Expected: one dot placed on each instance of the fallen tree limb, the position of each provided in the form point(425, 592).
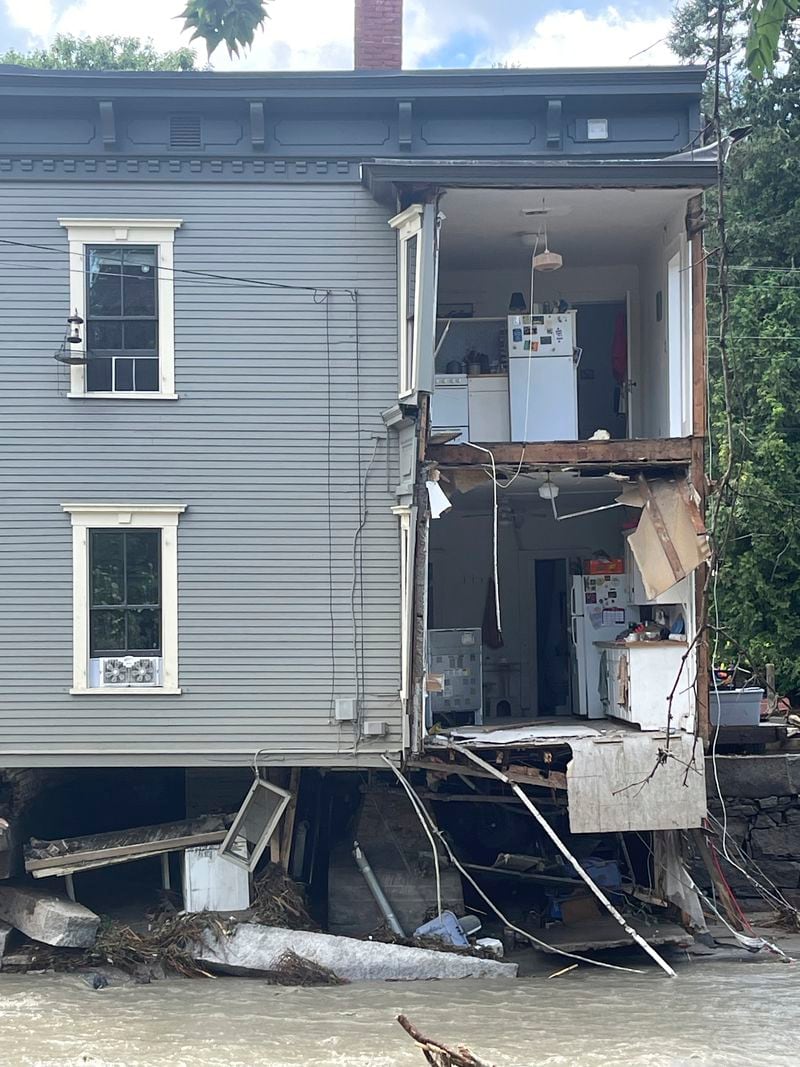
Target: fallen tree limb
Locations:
point(439, 1055)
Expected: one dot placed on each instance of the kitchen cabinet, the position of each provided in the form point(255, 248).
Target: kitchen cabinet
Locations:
point(641, 675)
point(488, 408)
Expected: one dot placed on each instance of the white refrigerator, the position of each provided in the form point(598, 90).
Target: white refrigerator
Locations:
point(543, 377)
point(599, 611)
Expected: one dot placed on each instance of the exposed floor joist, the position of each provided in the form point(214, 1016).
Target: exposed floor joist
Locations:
point(657, 452)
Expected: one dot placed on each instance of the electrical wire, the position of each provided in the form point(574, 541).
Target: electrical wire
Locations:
point(242, 279)
point(358, 572)
point(427, 820)
point(413, 798)
point(516, 473)
point(329, 496)
point(495, 552)
point(362, 506)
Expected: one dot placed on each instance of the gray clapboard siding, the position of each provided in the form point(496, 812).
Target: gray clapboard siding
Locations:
point(246, 447)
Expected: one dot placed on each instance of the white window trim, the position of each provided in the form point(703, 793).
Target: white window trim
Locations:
point(86, 517)
point(408, 225)
point(159, 232)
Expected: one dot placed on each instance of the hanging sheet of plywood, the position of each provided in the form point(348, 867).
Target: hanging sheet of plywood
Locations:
point(612, 785)
point(671, 540)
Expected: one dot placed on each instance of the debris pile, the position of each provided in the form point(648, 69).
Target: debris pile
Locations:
point(278, 901)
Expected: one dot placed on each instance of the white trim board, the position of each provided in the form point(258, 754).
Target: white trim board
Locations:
point(106, 516)
point(158, 232)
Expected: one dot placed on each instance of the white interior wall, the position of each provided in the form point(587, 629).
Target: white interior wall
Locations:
point(489, 289)
point(651, 400)
point(461, 570)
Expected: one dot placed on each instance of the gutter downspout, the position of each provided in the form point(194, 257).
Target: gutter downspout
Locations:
point(375, 888)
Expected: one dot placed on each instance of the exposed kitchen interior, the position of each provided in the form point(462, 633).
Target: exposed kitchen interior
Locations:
point(595, 340)
point(569, 627)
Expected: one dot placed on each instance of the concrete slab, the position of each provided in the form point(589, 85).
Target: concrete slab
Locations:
point(253, 948)
point(45, 917)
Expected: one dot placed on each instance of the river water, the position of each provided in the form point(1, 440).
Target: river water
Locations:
point(713, 1013)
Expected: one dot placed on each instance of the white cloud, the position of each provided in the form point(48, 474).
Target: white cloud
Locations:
point(34, 16)
point(298, 35)
point(573, 38)
point(318, 34)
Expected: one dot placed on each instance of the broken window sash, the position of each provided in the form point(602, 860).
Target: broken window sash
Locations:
point(416, 229)
point(255, 823)
point(670, 541)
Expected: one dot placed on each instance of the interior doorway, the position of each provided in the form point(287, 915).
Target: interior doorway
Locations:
point(602, 334)
point(552, 637)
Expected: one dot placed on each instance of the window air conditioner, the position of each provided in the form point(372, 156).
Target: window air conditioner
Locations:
point(130, 671)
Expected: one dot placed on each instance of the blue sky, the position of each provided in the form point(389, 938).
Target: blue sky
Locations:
point(317, 34)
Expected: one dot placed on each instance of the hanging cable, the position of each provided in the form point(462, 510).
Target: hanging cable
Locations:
point(244, 280)
point(427, 819)
point(495, 552)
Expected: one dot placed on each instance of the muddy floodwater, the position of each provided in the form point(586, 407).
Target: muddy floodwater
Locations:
point(731, 1013)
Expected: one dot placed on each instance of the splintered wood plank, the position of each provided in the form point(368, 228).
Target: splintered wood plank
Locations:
point(101, 857)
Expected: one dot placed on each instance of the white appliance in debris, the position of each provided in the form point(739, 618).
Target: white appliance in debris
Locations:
point(599, 611)
point(212, 883)
point(450, 405)
point(543, 377)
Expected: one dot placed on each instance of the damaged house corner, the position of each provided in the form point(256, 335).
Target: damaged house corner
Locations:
point(355, 548)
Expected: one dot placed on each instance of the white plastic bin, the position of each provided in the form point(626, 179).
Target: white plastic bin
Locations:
point(735, 707)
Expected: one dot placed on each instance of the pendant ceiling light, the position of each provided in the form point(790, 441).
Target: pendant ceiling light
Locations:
point(547, 260)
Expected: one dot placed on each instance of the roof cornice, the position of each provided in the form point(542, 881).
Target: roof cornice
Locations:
point(417, 84)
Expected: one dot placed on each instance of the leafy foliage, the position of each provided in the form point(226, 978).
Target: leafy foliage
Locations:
point(101, 53)
point(758, 589)
point(768, 19)
point(233, 22)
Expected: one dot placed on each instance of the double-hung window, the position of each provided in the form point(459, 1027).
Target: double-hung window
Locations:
point(124, 593)
point(122, 319)
point(122, 286)
point(125, 597)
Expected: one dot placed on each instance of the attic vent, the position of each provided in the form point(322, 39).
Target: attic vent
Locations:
point(184, 131)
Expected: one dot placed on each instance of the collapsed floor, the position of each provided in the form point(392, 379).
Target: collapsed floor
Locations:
point(495, 871)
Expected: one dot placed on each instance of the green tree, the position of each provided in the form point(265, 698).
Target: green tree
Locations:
point(101, 53)
point(757, 594)
point(232, 22)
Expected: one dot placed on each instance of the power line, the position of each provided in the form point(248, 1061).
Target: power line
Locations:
point(212, 275)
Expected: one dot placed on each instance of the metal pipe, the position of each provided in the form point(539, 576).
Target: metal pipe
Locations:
point(375, 888)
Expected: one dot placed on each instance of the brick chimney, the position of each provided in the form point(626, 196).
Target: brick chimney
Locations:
point(379, 34)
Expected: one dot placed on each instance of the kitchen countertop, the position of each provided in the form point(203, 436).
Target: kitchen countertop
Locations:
point(640, 644)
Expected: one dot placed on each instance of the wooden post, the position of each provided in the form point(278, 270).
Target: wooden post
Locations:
point(694, 215)
point(772, 696)
point(165, 881)
point(287, 833)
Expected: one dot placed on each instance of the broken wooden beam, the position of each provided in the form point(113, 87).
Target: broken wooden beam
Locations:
point(517, 772)
point(99, 849)
point(634, 454)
